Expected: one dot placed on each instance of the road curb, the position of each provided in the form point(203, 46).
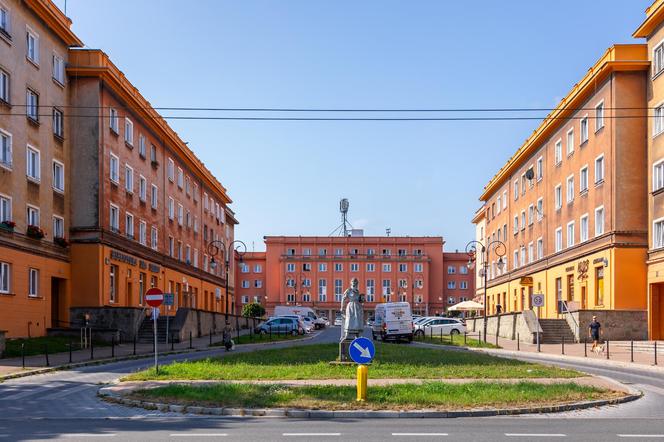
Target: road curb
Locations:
point(38, 371)
point(114, 397)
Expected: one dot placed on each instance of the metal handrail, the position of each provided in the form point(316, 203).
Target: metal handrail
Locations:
point(576, 324)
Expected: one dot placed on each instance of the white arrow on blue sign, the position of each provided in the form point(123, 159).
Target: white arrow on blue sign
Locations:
point(361, 350)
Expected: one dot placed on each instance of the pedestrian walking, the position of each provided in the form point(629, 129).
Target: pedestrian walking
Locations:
point(594, 332)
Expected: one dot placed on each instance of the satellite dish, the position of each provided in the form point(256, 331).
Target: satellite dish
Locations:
point(530, 174)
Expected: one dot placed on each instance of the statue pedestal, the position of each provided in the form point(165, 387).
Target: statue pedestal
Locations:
point(344, 345)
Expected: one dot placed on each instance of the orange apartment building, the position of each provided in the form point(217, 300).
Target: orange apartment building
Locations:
point(113, 196)
point(459, 282)
point(315, 271)
point(570, 205)
point(653, 31)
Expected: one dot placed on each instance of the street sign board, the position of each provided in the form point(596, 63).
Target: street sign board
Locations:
point(538, 300)
point(169, 299)
point(154, 297)
point(361, 350)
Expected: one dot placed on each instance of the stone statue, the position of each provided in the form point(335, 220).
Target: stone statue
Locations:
point(353, 313)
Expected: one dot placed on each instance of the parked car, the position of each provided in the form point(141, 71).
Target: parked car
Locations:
point(286, 310)
point(280, 325)
point(421, 319)
point(393, 320)
point(338, 320)
point(436, 326)
point(308, 323)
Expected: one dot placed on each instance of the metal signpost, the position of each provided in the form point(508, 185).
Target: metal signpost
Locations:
point(538, 301)
point(169, 300)
point(362, 351)
point(155, 297)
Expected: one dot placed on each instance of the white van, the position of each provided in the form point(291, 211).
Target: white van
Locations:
point(393, 321)
point(286, 310)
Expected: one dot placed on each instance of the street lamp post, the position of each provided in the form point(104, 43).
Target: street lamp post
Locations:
point(500, 250)
point(216, 247)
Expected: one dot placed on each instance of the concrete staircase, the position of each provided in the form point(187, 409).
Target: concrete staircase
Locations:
point(555, 330)
point(146, 332)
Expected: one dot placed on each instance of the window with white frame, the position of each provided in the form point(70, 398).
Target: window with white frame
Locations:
point(187, 254)
point(387, 286)
point(451, 285)
point(171, 208)
point(599, 116)
point(523, 183)
point(658, 234)
point(498, 205)
point(523, 255)
point(114, 218)
point(558, 196)
point(523, 220)
point(58, 176)
point(114, 169)
point(516, 224)
point(5, 277)
point(540, 209)
point(180, 178)
point(141, 145)
point(338, 288)
point(154, 195)
point(558, 152)
point(32, 47)
point(570, 234)
point(531, 215)
point(4, 86)
point(658, 123)
point(142, 232)
point(387, 267)
point(58, 123)
point(32, 104)
point(540, 248)
point(153, 238)
point(583, 180)
point(171, 247)
point(531, 252)
point(354, 267)
point(515, 262)
point(570, 189)
point(570, 142)
point(371, 267)
point(290, 267)
point(4, 19)
point(33, 282)
point(142, 188)
point(504, 199)
point(463, 270)
point(129, 132)
point(171, 170)
point(58, 69)
point(516, 190)
point(599, 221)
point(114, 120)
point(33, 168)
point(583, 228)
point(658, 59)
point(418, 268)
point(129, 178)
point(195, 224)
point(539, 169)
point(196, 258)
point(129, 225)
point(58, 227)
point(5, 208)
point(451, 270)
point(599, 169)
point(180, 214)
point(559, 239)
point(584, 130)
point(658, 175)
point(338, 267)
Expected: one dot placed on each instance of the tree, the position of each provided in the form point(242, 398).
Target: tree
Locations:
point(253, 310)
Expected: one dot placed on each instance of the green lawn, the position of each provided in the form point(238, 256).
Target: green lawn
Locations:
point(37, 346)
point(457, 341)
point(404, 396)
point(391, 361)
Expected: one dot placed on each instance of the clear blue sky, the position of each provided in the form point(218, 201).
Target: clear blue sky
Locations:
point(419, 178)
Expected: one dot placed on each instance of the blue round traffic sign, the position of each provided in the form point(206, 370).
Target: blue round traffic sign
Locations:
point(361, 350)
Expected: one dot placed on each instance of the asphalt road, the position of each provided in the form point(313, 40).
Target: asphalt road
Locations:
point(63, 406)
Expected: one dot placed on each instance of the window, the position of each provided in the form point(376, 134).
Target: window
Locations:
point(244, 268)
point(354, 267)
point(371, 267)
point(171, 170)
point(583, 180)
point(570, 234)
point(387, 267)
point(516, 259)
point(153, 153)
point(658, 175)
point(371, 289)
point(142, 188)
point(141, 145)
point(58, 123)
point(559, 239)
point(114, 122)
point(523, 255)
point(371, 252)
point(58, 227)
point(5, 208)
point(523, 219)
point(540, 248)
point(599, 286)
point(129, 132)
point(570, 189)
point(171, 208)
point(451, 285)
point(32, 105)
point(463, 270)
point(171, 246)
point(4, 86)
point(129, 225)
point(114, 169)
point(387, 286)
point(658, 59)
point(153, 238)
point(498, 204)
point(5, 277)
point(558, 196)
point(32, 164)
point(114, 218)
point(258, 268)
point(5, 149)
point(584, 130)
point(599, 169)
point(570, 142)
point(129, 178)
point(180, 214)
point(153, 196)
point(338, 252)
point(540, 209)
point(658, 234)
point(516, 224)
point(583, 228)
point(58, 69)
point(306, 252)
point(58, 176)
point(504, 199)
point(599, 116)
point(599, 221)
point(451, 270)
point(33, 46)
point(290, 267)
point(306, 267)
point(402, 252)
point(403, 268)
point(516, 190)
point(531, 252)
point(180, 177)
point(523, 183)
point(338, 267)
point(322, 289)
point(142, 232)
point(4, 19)
point(558, 153)
point(418, 268)
point(33, 282)
point(531, 215)
point(539, 169)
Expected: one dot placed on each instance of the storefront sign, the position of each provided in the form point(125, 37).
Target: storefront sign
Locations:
point(582, 269)
point(527, 281)
point(598, 260)
point(122, 257)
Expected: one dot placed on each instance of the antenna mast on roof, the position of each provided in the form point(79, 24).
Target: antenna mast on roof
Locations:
point(344, 228)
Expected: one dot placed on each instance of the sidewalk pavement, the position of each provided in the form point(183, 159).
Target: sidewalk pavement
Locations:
point(10, 367)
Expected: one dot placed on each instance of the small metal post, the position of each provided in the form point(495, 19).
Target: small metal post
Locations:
point(23, 354)
point(465, 338)
point(46, 354)
point(518, 342)
point(70, 346)
point(134, 345)
point(563, 346)
point(441, 335)
point(270, 332)
point(480, 336)
point(92, 348)
point(112, 346)
point(191, 342)
point(655, 352)
point(585, 347)
point(631, 351)
point(539, 347)
point(607, 349)
point(237, 327)
point(172, 342)
point(496, 339)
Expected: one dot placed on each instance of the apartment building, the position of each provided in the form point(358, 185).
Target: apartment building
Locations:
point(459, 282)
point(652, 30)
point(35, 271)
point(315, 271)
point(570, 204)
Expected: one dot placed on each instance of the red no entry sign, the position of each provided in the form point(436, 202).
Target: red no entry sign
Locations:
point(154, 297)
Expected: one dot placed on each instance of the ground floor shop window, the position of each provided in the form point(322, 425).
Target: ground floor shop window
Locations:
point(599, 286)
point(113, 279)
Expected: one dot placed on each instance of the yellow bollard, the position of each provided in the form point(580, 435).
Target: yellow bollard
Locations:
point(362, 372)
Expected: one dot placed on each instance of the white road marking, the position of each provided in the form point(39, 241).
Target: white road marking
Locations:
point(643, 436)
point(40, 390)
point(89, 435)
point(311, 434)
point(198, 434)
point(420, 434)
point(67, 392)
point(535, 435)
